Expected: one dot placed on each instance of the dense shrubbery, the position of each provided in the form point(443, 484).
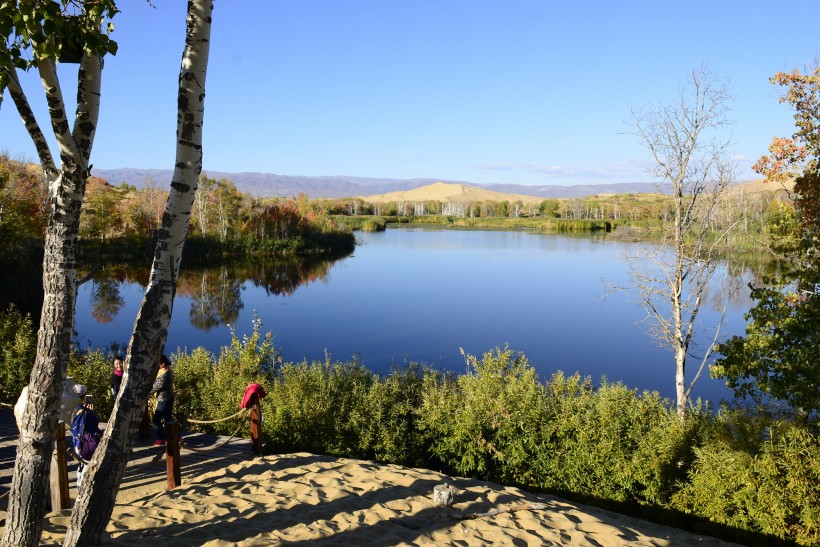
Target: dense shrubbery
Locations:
point(18, 343)
point(18, 339)
point(92, 368)
point(755, 475)
point(539, 224)
point(210, 387)
point(208, 248)
point(754, 472)
point(774, 488)
point(364, 223)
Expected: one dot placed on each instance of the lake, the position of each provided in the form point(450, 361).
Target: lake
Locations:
point(417, 294)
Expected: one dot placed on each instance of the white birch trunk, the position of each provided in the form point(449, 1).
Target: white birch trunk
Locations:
point(27, 115)
point(95, 502)
point(30, 480)
point(699, 169)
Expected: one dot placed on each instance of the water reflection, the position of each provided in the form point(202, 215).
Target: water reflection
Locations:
point(420, 295)
point(106, 301)
point(216, 296)
point(283, 277)
point(215, 292)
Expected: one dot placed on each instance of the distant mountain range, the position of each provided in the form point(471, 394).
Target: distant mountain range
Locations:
point(270, 185)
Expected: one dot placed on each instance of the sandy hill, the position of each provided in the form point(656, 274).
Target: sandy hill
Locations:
point(760, 185)
point(442, 191)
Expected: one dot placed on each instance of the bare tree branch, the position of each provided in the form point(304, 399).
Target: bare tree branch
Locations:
point(30, 122)
point(691, 154)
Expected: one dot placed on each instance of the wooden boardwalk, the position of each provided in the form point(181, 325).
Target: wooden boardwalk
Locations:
point(146, 468)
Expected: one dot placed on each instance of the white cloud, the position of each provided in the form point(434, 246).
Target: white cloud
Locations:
point(744, 161)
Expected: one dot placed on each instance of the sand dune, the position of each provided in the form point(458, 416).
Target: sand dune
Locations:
point(297, 499)
point(441, 191)
point(760, 185)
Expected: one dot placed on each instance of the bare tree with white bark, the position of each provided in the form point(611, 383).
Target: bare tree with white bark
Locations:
point(689, 142)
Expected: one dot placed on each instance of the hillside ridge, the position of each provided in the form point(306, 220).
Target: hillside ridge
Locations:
point(272, 185)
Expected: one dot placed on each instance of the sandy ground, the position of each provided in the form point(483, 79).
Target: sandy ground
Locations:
point(301, 498)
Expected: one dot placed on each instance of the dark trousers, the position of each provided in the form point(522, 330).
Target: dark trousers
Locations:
point(162, 415)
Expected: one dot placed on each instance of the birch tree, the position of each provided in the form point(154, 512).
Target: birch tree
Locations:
point(689, 143)
point(226, 206)
point(98, 491)
point(33, 32)
point(203, 202)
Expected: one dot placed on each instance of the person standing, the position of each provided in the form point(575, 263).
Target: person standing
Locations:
point(85, 430)
point(164, 390)
point(116, 377)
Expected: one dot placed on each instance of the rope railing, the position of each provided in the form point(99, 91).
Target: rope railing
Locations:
point(241, 411)
point(220, 444)
point(250, 405)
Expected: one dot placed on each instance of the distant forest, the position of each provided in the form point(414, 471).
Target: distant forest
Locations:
point(227, 221)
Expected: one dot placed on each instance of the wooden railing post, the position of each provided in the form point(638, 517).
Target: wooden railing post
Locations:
point(172, 464)
point(256, 425)
point(58, 479)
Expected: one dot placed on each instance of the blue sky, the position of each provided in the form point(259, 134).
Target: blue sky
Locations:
point(505, 91)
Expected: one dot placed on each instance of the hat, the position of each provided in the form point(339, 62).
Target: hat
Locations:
point(80, 390)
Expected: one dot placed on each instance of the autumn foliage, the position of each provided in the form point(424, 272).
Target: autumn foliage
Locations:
point(23, 197)
point(778, 356)
point(798, 156)
point(124, 219)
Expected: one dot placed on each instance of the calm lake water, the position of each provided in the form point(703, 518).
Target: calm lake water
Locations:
point(418, 295)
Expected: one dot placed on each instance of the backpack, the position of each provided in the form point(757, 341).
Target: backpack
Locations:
point(84, 435)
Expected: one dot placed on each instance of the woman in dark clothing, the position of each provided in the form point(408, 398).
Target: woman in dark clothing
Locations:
point(85, 430)
point(116, 377)
point(164, 389)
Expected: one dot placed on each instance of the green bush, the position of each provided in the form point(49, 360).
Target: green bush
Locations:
point(345, 410)
point(373, 225)
point(18, 348)
point(192, 375)
point(502, 424)
point(311, 405)
point(610, 442)
point(93, 368)
point(250, 359)
point(775, 490)
point(487, 423)
point(747, 469)
point(383, 422)
point(364, 223)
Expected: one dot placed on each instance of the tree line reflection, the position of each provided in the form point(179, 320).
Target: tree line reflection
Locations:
point(215, 291)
